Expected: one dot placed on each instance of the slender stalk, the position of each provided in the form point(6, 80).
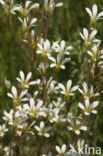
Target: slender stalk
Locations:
point(47, 27)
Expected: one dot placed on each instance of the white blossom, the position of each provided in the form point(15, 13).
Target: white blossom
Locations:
point(44, 48)
point(88, 38)
point(75, 124)
point(24, 82)
point(68, 90)
point(89, 107)
point(9, 7)
point(62, 48)
point(3, 129)
point(50, 5)
point(86, 92)
point(25, 22)
point(94, 15)
point(58, 63)
point(28, 7)
point(17, 99)
point(42, 130)
point(35, 108)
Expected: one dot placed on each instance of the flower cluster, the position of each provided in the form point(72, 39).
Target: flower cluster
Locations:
point(40, 107)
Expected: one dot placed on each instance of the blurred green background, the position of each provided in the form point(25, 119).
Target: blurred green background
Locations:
point(66, 24)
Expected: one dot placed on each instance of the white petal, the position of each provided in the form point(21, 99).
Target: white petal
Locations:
point(36, 5)
point(77, 132)
point(33, 21)
point(40, 46)
point(85, 87)
point(47, 135)
point(52, 65)
point(82, 36)
point(95, 104)
point(62, 45)
point(86, 113)
point(58, 58)
point(52, 59)
point(92, 35)
point(89, 12)
point(37, 128)
point(27, 4)
point(10, 95)
point(28, 76)
point(2, 2)
point(100, 15)
point(40, 103)
point(14, 91)
point(59, 4)
point(20, 19)
point(32, 83)
point(18, 79)
point(81, 91)
point(65, 60)
point(62, 67)
point(81, 106)
point(46, 45)
point(94, 9)
point(62, 86)
point(74, 88)
point(41, 124)
point(94, 111)
point(63, 148)
point(22, 76)
point(85, 33)
point(90, 53)
point(58, 149)
point(83, 128)
point(69, 83)
point(23, 93)
point(32, 103)
point(87, 103)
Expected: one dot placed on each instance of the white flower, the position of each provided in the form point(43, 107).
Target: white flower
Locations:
point(61, 48)
point(58, 62)
point(42, 130)
point(12, 9)
point(61, 151)
point(43, 67)
point(35, 109)
point(87, 93)
point(88, 38)
point(25, 22)
point(23, 112)
point(52, 88)
point(96, 54)
point(94, 16)
point(57, 118)
point(24, 82)
point(28, 7)
point(50, 5)
point(68, 90)
point(89, 107)
point(59, 104)
point(44, 48)
point(17, 99)
point(75, 125)
point(3, 129)
point(8, 117)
